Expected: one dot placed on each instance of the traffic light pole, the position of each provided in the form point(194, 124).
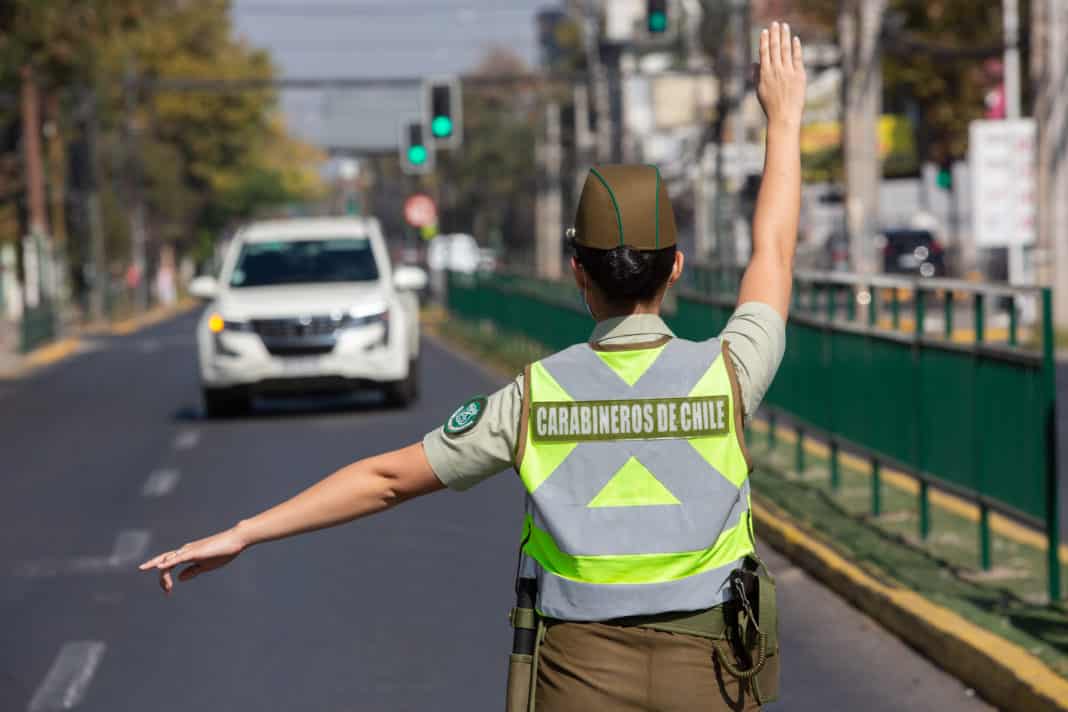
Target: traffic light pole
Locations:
point(598, 84)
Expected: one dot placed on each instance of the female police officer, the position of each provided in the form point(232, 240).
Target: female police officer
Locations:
point(637, 527)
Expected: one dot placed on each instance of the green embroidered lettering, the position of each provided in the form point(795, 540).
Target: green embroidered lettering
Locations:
point(633, 419)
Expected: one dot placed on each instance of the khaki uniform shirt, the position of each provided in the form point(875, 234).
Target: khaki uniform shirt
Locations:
point(756, 340)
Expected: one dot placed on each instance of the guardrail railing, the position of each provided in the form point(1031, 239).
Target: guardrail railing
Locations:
point(972, 416)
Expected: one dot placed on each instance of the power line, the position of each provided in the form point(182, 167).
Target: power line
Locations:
point(314, 10)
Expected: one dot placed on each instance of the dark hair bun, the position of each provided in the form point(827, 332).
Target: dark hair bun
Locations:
point(624, 274)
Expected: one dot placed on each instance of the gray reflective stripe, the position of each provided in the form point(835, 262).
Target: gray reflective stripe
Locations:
point(675, 463)
point(565, 599)
point(655, 529)
point(582, 373)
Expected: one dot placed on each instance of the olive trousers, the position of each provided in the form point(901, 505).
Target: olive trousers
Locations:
point(596, 666)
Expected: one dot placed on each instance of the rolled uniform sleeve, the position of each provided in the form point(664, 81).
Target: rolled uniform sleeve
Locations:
point(756, 339)
point(463, 460)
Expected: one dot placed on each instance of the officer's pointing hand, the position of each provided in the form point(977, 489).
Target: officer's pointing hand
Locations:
point(781, 84)
point(203, 555)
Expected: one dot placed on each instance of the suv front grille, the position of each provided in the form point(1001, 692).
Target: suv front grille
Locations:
point(298, 336)
point(296, 328)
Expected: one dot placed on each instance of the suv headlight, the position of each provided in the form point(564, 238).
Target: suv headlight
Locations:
point(366, 319)
point(217, 324)
point(358, 318)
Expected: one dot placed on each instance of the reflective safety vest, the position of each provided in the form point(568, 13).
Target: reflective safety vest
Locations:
point(637, 479)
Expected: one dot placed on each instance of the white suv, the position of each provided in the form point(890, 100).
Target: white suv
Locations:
point(308, 305)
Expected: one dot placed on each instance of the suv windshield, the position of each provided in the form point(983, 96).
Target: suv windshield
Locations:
point(263, 264)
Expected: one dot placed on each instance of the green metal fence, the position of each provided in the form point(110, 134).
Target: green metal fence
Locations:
point(908, 373)
point(37, 328)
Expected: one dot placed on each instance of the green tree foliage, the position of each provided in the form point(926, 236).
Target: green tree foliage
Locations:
point(934, 57)
point(201, 160)
point(934, 63)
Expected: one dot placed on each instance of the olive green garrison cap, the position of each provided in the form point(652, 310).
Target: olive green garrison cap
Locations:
point(624, 205)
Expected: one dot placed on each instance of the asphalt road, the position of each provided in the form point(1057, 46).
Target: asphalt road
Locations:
point(105, 457)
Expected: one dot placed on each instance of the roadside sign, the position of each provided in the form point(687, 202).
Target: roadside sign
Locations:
point(420, 210)
point(1001, 157)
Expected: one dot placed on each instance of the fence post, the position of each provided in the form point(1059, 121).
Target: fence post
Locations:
point(1013, 326)
point(1048, 433)
point(949, 314)
point(835, 474)
point(873, 305)
point(832, 301)
point(925, 511)
point(924, 500)
point(979, 302)
point(984, 535)
point(799, 452)
point(876, 488)
point(851, 302)
point(895, 309)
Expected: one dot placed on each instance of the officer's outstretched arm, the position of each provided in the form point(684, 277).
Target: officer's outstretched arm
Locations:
point(354, 491)
point(781, 90)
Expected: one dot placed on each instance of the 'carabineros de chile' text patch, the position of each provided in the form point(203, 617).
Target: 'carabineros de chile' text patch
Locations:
point(465, 417)
point(638, 419)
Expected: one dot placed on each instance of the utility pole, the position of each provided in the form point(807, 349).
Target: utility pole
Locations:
point(1011, 22)
point(97, 251)
point(731, 63)
point(1049, 72)
point(549, 201)
point(602, 107)
point(740, 63)
point(36, 245)
point(1010, 13)
point(135, 193)
point(584, 139)
point(859, 24)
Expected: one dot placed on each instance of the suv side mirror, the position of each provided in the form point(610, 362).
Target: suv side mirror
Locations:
point(411, 279)
point(204, 287)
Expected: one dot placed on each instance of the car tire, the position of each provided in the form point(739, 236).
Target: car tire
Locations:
point(226, 402)
point(404, 392)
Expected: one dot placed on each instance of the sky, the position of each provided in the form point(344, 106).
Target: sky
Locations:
point(376, 38)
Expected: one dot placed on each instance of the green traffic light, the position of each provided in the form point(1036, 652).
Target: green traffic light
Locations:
point(417, 155)
point(657, 22)
point(441, 126)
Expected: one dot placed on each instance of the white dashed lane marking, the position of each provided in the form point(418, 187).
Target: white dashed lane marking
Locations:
point(149, 346)
point(160, 483)
point(186, 440)
point(68, 679)
point(130, 546)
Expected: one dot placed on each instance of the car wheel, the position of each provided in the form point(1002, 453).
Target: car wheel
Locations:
point(226, 402)
point(404, 392)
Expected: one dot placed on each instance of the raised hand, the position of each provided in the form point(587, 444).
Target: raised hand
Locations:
point(781, 84)
point(202, 555)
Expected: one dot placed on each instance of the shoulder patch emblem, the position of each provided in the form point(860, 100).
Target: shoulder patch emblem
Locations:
point(465, 417)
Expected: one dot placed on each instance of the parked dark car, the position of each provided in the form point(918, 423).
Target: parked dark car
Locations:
point(912, 252)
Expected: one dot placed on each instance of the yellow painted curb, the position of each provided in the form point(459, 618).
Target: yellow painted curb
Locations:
point(1001, 671)
point(999, 524)
point(155, 316)
point(65, 348)
point(53, 352)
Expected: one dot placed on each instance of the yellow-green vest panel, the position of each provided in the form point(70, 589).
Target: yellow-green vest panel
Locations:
point(637, 484)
